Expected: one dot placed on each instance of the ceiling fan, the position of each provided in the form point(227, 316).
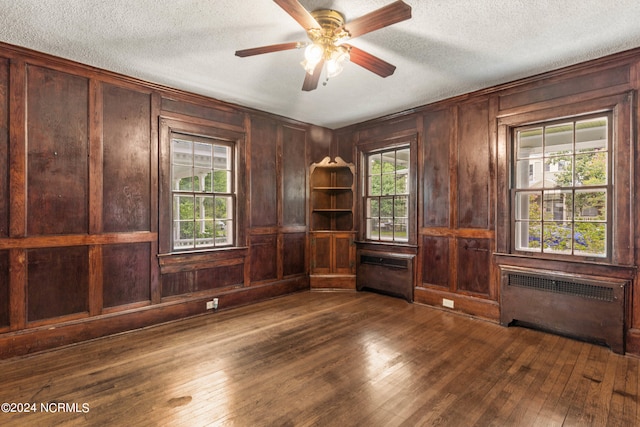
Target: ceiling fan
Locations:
point(328, 34)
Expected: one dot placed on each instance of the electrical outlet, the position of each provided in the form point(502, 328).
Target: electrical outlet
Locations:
point(215, 303)
point(447, 303)
point(210, 305)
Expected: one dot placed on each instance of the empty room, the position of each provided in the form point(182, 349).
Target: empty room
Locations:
point(319, 212)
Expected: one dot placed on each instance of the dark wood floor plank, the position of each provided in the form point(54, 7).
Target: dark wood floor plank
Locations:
point(330, 359)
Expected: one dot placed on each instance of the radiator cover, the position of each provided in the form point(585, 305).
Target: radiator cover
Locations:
point(391, 274)
point(586, 307)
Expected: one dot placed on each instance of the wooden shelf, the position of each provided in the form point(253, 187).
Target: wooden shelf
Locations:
point(332, 233)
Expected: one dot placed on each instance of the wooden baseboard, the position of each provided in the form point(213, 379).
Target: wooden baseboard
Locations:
point(486, 309)
point(632, 342)
point(333, 282)
point(27, 341)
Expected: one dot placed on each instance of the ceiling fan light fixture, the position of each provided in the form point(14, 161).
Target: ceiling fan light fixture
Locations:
point(338, 57)
point(314, 53)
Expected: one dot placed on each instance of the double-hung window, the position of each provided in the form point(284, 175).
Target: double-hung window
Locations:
point(387, 195)
point(202, 192)
point(562, 187)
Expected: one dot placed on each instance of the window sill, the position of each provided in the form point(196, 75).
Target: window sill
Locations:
point(601, 267)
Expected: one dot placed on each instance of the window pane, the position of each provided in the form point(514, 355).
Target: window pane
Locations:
point(202, 155)
point(590, 239)
point(200, 179)
point(558, 205)
point(400, 230)
point(224, 208)
point(402, 160)
point(400, 207)
point(373, 208)
point(181, 152)
point(529, 206)
point(558, 139)
point(204, 207)
point(222, 157)
point(558, 172)
point(204, 233)
point(557, 237)
point(402, 183)
point(222, 181)
point(386, 207)
point(529, 143)
point(183, 207)
point(591, 169)
point(529, 173)
point(388, 184)
point(591, 205)
point(528, 236)
point(373, 229)
point(375, 185)
point(375, 164)
point(591, 135)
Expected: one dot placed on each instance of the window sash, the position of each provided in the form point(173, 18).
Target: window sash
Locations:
point(386, 199)
point(562, 187)
point(203, 208)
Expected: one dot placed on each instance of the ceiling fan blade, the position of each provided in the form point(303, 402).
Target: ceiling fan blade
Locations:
point(268, 49)
point(383, 17)
point(311, 80)
point(299, 13)
point(370, 62)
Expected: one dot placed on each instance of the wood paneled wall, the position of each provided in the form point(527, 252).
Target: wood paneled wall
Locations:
point(82, 214)
point(83, 219)
point(463, 213)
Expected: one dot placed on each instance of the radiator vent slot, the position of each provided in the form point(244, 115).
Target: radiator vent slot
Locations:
point(384, 261)
point(547, 284)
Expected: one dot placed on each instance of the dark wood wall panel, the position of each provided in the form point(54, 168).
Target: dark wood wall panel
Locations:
point(567, 87)
point(177, 283)
point(127, 160)
point(473, 165)
point(220, 115)
point(264, 249)
point(344, 146)
point(435, 261)
point(474, 264)
point(4, 288)
point(202, 279)
point(320, 143)
point(391, 127)
point(293, 253)
point(294, 182)
point(219, 277)
point(57, 166)
point(435, 171)
point(126, 271)
point(58, 282)
point(264, 210)
point(4, 147)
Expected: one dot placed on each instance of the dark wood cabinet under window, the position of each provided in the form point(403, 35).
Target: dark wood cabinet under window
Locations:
point(332, 225)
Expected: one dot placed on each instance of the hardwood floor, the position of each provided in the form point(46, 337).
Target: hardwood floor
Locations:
point(321, 358)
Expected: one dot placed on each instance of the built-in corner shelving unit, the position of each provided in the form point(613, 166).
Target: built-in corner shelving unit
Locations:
point(332, 224)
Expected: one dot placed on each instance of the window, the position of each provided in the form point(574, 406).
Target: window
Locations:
point(562, 187)
point(386, 195)
point(202, 192)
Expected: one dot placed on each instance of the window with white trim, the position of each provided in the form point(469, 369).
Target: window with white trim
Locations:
point(203, 192)
point(562, 187)
point(387, 197)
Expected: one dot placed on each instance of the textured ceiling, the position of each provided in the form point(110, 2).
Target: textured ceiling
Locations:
point(449, 47)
